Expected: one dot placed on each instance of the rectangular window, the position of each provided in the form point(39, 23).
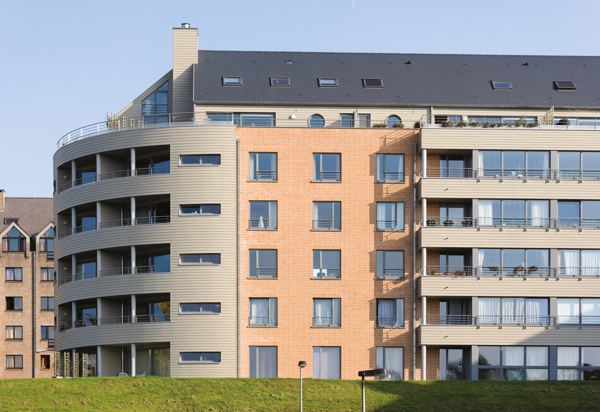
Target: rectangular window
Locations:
point(514, 213)
point(263, 361)
point(565, 85)
point(263, 215)
point(48, 274)
point(513, 363)
point(263, 263)
point(327, 362)
point(45, 362)
point(263, 312)
point(390, 313)
point(200, 357)
point(14, 274)
point(14, 361)
point(200, 259)
point(47, 303)
point(14, 303)
point(195, 308)
point(327, 215)
point(200, 209)
point(47, 332)
point(390, 264)
point(328, 82)
point(14, 332)
point(201, 160)
point(390, 216)
point(502, 84)
point(579, 311)
point(452, 367)
point(327, 313)
point(513, 311)
point(263, 167)
point(347, 120)
point(327, 167)
point(516, 164)
point(392, 360)
point(373, 83)
point(232, 81)
point(327, 264)
point(280, 81)
point(390, 168)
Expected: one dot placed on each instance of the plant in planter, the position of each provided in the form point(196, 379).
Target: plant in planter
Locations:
point(417, 125)
point(462, 123)
point(398, 125)
point(494, 269)
point(518, 269)
point(500, 124)
point(448, 222)
point(532, 269)
point(380, 125)
point(475, 124)
point(430, 222)
point(447, 123)
point(438, 273)
point(522, 122)
point(467, 223)
point(487, 124)
point(532, 125)
point(448, 273)
point(460, 273)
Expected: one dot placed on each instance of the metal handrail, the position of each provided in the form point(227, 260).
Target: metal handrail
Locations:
point(259, 224)
point(392, 177)
point(326, 272)
point(266, 273)
point(387, 322)
point(324, 224)
point(152, 220)
point(258, 320)
point(509, 320)
point(509, 271)
point(511, 126)
point(138, 270)
point(389, 225)
point(145, 171)
point(323, 321)
point(519, 222)
point(396, 274)
point(265, 175)
point(329, 176)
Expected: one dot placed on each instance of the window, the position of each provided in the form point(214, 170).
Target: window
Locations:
point(390, 264)
point(14, 332)
point(355, 120)
point(202, 160)
point(14, 274)
point(346, 120)
point(390, 313)
point(327, 313)
point(514, 213)
point(390, 168)
point(392, 360)
point(200, 259)
point(564, 85)
point(579, 262)
point(47, 303)
point(14, 241)
point(316, 120)
point(9, 220)
point(514, 262)
point(263, 312)
point(47, 332)
point(200, 357)
point(244, 119)
point(48, 274)
point(200, 209)
point(449, 119)
point(392, 120)
point(87, 270)
point(390, 216)
point(155, 105)
point(328, 82)
point(452, 367)
point(501, 85)
point(195, 308)
point(372, 83)
point(14, 303)
point(263, 361)
point(45, 362)
point(578, 311)
point(263, 263)
point(232, 81)
point(513, 363)
point(513, 311)
point(327, 264)
point(263, 215)
point(327, 167)
point(263, 167)
point(515, 164)
point(327, 216)
point(47, 241)
point(280, 81)
point(579, 213)
point(579, 165)
point(327, 362)
point(575, 363)
point(14, 361)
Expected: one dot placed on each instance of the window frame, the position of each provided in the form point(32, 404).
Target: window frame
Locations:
point(44, 360)
point(14, 303)
point(257, 260)
point(382, 156)
point(562, 85)
point(273, 81)
point(320, 369)
point(366, 80)
point(496, 85)
point(49, 299)
point(48, 328)
point(381, 365)
point(499, 319)
point(387, 119)
point(225, 83)
point(380, 256)
point(272, 218)
point(14, 329)
point(200, 163)
point(334, 302)
point(257, 362)
point(256, 172)
point(200, 262)
point(181, 361)
point(200, 311)
point(272, 317)
point(15, 358)
point(14, 270)
point(49, 278)
point(318, 161)
point(321, 84)
point(501, 366)
point(398, 226)
point(21, 241)
point(200, 207)
point(316, 116)
point(332, 227)
point(320, 268)
point(399, 306)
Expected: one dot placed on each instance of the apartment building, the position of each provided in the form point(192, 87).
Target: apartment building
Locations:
point(436, 215)
point(27, 265)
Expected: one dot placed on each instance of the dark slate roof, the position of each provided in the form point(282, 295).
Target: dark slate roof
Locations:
point(430, 79)
point(34, 213)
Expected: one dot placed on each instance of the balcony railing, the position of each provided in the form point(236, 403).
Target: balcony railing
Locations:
point(505, 126)
point(396, 274)
point(510, 271)
point(116, 320)
point(327, 273)
point(509, 320)
point(152, 220)
point(329, 177)
point(265, 176)
point(116, 272)
point(517, 222)
point(324, 321)
point(266, 273)
point(389, 225)
point(324, 224)
point(392, 177)
point(50, 343)
point(511, 173)
point(259, 224)
point(146, 171)
point(387, 322)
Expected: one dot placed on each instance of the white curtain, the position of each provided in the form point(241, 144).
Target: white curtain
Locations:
point(380, 168)
point(537, 310)
point(267, 361)
point(568, 262)
point(381, 215)
point(590, 262)
point(323, 312)
point(568, 374)
point(386, 312)
point(540, 212)
point(537, 356)
point(537, 374)
point(272, 215)
point(481, 165)
point(391, 359)
point(253, 166)
point(489, 310)
point(590, 311)
point(486, 212)
point(259, 311)
point(513, 310)
point(514, 356)
point(326, 362)
point(568, 310)
point(568, 356)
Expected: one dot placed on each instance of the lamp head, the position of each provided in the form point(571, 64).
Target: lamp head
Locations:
point(302, 364)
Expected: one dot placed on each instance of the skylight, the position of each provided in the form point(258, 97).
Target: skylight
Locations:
point(564, 85)
point(501, 84)
point(232, 81)
point(328, 82)
point(280, 81)
point(373, 83)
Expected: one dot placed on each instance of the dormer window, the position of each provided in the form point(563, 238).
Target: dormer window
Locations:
point(565, 85)
point(501, 85)
point(373, 83)
point(280, 81)
point(13, 241)
point(232, 81)
point(328, 82)
point(9, 220)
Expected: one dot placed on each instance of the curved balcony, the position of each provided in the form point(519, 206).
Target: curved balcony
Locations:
point(146, 171)
point(154, 220)
point(139, 270)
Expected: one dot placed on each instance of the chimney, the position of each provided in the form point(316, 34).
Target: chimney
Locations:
point(185, 55)
point(2, 201)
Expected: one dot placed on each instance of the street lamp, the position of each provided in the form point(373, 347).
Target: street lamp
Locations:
point(302, 365)
point(373, 372)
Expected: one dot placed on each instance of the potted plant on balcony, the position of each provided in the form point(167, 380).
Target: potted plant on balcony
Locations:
point(522, 122)
point(379, 125)
point(475, 124)
point(417, 125)
point(532, 125)
point(518, 269)
point(494, 269)
point(467, 222)
point(487, 124)
point(460, 273)
point(398, 125)
point(448, 222)
point(430, 222)
point(462, 123)
point(447, 123)
point(532, 269)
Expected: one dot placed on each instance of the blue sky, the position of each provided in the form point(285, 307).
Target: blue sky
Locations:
point(65, 64)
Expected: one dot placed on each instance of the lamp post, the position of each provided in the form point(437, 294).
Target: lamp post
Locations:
point(301, 364)
point(372, 372)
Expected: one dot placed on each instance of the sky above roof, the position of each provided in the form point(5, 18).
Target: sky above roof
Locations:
point(67, 64)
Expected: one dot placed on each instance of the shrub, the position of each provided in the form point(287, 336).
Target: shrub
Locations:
point(398, 125)
point(447, 123)
point(521, 122)
point(475, 124)
point(532, 125)
point(380, 125)
point(417, 125)
point(462, 124)
point(487, 124)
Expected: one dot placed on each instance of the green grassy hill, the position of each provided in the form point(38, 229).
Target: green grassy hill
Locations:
point(170, 394)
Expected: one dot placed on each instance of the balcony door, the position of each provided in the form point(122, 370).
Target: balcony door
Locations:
point(455, 312)
point(454, 166)
point(451, 263)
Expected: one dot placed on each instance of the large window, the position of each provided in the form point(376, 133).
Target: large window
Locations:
point(390, 168)
point(579, 165)
point(513, 363)
point(514, 262)
point(579, 213)
point(327, 215)
point(14, 361)
point(155, 108)
point(263, 167)
point(514, 213)
point(574, 262)
point(390, 216)
point(263, 312)
point(327, 167)
point(14, 274)
point(390, 313)
point(513, 311)
point(244, 119)
point(390, 264)
point(516, 164)
point(263, 215)
point(263, 263)
point(14, 241)
point(14, 332)
point(392, 360)
point(576, 363)
point(579, 311)
point(47, 243)
point(327, 313)
point(263, 361)
point(452, 367)
point(87, 270)
point(327, 264)
point(47, 275)
point(327, 362)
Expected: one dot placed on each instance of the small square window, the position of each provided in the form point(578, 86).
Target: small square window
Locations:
point(14, 361)
point(501, 85)
point(14, 303)
point(565, 85)
point(373, 83)
point(232, 81)
point(328, 82)
point(45, 362)
point(280, 81)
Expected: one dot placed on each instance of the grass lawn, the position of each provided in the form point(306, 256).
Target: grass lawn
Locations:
point(151, 393)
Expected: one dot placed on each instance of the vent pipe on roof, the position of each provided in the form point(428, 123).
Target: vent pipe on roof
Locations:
point(1, 200)
point(185, 25)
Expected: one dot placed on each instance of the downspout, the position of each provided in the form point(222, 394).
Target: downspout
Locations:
point(239, 281)
point(33, 300)
point(414, 242)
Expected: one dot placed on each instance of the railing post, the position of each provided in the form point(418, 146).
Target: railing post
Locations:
point(133, 309)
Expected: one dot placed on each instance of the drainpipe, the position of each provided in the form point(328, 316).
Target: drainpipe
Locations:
point(239, 281)
point(414, 240)
point(33, 300)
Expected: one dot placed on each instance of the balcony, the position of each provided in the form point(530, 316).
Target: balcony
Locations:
point(154, 220)
point(146, 171)
point(116, 320)
point(511, 271)
point(138, 270)
point(513, 222)
point(511, 320)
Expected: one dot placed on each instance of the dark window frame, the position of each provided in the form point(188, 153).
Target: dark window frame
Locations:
point(48, 299)
point(366, 82)
point(15, 358)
